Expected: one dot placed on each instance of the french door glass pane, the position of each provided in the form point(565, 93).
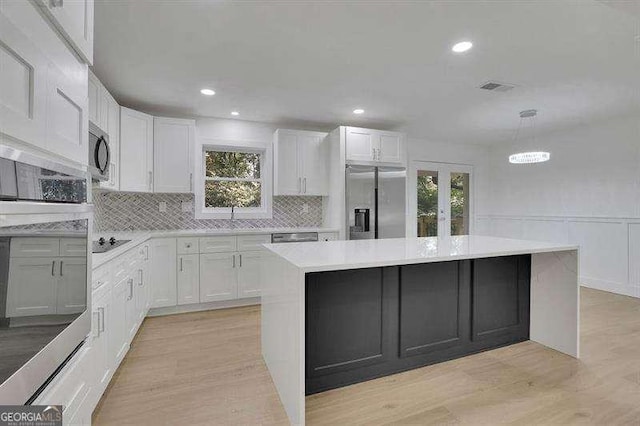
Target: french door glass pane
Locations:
point(427, 203)
point(459, 203)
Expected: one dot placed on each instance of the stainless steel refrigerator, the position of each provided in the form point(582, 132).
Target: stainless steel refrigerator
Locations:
point(375, 202)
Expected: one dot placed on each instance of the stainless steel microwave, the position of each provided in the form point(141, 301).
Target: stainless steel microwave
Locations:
point(99, 153)
point(45, 264)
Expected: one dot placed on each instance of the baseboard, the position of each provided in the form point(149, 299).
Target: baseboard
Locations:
point(610, 286)
point(196, 307)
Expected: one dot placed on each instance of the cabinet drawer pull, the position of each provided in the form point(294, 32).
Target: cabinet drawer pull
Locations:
point(141, 283)
point(181, 264)
point(61, 263)
point(240, 260)
point(53, 267)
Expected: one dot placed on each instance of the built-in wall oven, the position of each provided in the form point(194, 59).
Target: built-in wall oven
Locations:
point(45, 263)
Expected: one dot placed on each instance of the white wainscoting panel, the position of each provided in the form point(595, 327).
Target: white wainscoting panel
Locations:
point(609, 247)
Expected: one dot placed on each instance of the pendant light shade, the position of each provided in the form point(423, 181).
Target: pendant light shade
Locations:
point(528, 157)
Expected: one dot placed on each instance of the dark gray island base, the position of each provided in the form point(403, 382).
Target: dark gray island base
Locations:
point(372, 322)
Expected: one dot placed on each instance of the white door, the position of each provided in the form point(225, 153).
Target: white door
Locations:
point(32, 286)
point(173, 144)
point(75, 19)
point(163, 272)
point(287, 180)
point(188, 279)
point(440, 199)
point(136, 151)
point(218, 277)
point(391, 147)
point(72, 285)
point(67, 113)
point(117, 324)
point(360, 144)
point(249, 264)
point(23, 86)
point(312, 156)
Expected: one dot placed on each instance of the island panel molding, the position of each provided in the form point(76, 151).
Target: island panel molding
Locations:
point(367, 323)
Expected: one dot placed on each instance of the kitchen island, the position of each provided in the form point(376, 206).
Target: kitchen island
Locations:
point(341, 312)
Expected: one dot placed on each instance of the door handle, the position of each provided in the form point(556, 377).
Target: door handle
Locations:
point(150, 180)
point(305, 185)
point(53, 267)
point(234, 260)
point(299, 185)
point(61, 263)
point(240, 260)
point(181, 264)
point(141, 282)
point(100, 320)
point(190, 181)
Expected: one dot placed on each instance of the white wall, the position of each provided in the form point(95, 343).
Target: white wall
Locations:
point(588, 194)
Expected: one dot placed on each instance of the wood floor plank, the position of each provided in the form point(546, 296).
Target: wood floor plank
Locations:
point(207, 368)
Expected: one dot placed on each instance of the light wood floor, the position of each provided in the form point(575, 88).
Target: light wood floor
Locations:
point(206, 368)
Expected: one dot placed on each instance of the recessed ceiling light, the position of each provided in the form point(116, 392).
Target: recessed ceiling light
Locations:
point(235, 113)
point(462, 46)
point(358, 111)
point(207, 92)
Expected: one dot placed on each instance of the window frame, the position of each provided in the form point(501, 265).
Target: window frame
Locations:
point(265, 209)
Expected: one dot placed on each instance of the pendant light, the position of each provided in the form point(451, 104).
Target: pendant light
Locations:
point(528, 157)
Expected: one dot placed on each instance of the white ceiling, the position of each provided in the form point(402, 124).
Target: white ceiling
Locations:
point(311, 63)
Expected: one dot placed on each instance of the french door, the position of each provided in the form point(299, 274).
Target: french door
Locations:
point(440, 200)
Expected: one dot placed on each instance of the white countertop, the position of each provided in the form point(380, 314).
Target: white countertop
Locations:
point(337, 255)
point(139, 237)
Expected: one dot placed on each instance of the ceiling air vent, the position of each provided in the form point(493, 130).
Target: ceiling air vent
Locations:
point(494, 86)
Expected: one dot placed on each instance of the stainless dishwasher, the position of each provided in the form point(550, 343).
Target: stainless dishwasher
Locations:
point(294, 237)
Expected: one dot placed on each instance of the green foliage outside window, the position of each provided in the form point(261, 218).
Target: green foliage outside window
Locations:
point(232, 179)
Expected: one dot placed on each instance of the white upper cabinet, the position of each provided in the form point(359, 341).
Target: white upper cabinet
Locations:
point(23, 86)
point(112, 112)
point(67, 112)
point(74, 19)
point(300, 163)
point(375, 146)
point(95, 96)
point(104, 112)
point(43, 85)
point(136, 151)
point(173, 145)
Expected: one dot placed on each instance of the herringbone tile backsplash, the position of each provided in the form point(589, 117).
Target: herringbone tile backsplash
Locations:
point(126, 211)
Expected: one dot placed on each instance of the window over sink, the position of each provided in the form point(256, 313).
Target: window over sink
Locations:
point(235, 177)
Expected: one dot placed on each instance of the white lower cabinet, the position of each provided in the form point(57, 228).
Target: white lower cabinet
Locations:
point(249, 263)
point(119, 344)
point(188, 279)
point(163, 272)
point(218, 277)
point(102, 355)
